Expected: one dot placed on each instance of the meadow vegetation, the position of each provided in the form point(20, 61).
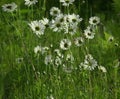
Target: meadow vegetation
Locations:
point(59, 49)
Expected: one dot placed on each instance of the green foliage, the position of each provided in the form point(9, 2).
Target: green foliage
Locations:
point(23, 75)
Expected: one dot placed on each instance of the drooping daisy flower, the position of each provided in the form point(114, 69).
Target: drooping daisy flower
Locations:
point(111, 38)
point(58, 53)
point(94, 20)
point(30, 2)
point(45, 21)
point(65, 44)
point(102, 68)
point(66, 2)
point(79, 41)
point(58, 61)
point(9, 7)
point(37, 49)
point(88, 34)
point(48, 60)
point(70, 58)
point(54, 11)
point(37, 27)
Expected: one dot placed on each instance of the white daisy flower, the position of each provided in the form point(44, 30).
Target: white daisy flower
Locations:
point(58, 53)
point(37, 49)
point(88, 34)
point(9, 7)
point(79, 41)
point(66, 2)
point(94, 20)
point(89, 63)
point(58, 61)
point(45, 21)
point(30, 2)
point(50, 97)
point(102, 68)
point(48, 60)
point(56, 26)
point(54, 11)
point(111, 38)
point(70, 58)
point(75, 19)
point(65, 44)
point(60, 18)
point(72, 29)
point(37, 27)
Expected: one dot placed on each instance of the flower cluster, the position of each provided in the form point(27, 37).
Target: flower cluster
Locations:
point(67, 25)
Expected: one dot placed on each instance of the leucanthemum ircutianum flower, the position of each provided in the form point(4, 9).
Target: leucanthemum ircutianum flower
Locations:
point(9, 7)
point(45, 21)
point(37, 27)
point(30, 2)
point(94, 20)
point(56, 26)
point(70, 58)
point(79, 41)
point(40, 49)
point(48, 60)
point(71, 23)
point(66, 2)
point(54, 11)
point(89, 34)
point(102, 68)
point(74, 19)
point(65, 44)
point(89, 63)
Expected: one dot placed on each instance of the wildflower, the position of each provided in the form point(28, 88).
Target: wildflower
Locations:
point(94, 20)
point(66, 2)
point(48, 60)
point(58, 53)
point(88, 34)
point(70, 28)
point(75, 19)
point(70, 58)
point(45, 22)
point(44, 50)
point(58, 61)
point(111, 38)
point(37, 49)
point(79, 41)
point(9, 7)
point(50, 97)
point(56, 26)
point(54, 11)
point(102, 68)
point(89, 63)
point(60, 18)
point(30, 2)
point(65, 44)
point(37, 27)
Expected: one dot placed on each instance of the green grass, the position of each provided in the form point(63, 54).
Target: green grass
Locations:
point(32, 79)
